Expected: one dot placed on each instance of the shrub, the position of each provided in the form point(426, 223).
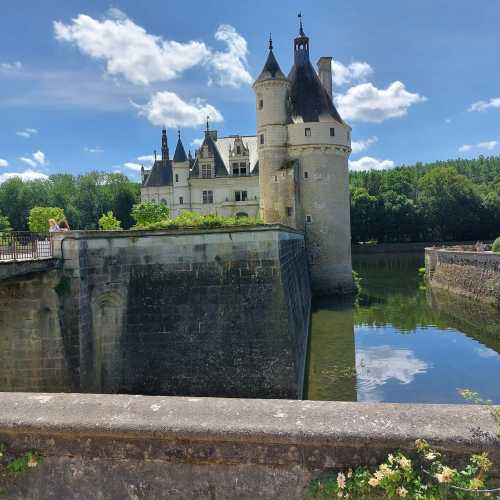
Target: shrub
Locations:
point(38, 219)
point(149, 212)
point(108, 222)
point(4, 224)
point(496, 245)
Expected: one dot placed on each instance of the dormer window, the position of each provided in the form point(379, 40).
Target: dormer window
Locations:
point(238, 150)
point(206, 170)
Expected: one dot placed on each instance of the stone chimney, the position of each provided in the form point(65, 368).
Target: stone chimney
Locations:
point(325, 73)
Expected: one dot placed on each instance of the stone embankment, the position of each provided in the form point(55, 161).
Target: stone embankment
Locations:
point(137, 447)
point(465, 272)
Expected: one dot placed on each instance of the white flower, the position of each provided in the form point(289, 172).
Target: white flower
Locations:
point(373, 481)
point(341, 480)
point(402, 492)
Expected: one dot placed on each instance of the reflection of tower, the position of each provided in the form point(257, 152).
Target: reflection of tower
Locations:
point(332, 358)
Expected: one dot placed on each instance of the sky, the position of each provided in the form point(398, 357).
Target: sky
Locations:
point(88, 85)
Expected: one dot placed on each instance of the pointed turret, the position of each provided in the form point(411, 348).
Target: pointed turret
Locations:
point(271, 68)
point(180, 153)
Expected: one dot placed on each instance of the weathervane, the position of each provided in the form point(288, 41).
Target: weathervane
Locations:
point(300, 20)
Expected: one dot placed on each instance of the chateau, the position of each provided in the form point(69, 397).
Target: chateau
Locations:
point(293, 172)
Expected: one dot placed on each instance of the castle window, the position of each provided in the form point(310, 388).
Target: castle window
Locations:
point(176, 177)
point(236, 169)
point(348, 136)
point(206, 170)
point(275, 178)
point(262, 138)
point(332, 132)
point(163, 200)
point(306, 175)
point(261, 103)
point(238, 150)
point(208, 197)
point(181, 200)
point(309, 218)
point(289, 211)
point(240, 196)
point(243, 169)
point(308, 132)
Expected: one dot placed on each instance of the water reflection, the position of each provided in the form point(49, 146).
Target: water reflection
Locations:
point(401, 342)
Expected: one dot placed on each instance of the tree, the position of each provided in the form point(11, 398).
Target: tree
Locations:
point(38, 220)
point(4, 224)
point(149, 212)
point(108, 222)
point(364, 215)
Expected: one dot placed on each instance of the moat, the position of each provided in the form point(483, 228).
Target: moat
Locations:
point(401, 342)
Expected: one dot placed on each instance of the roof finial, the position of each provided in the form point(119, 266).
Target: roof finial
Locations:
point(301, 30)
point(270, 42)
point(178, 133)
point(208, 118)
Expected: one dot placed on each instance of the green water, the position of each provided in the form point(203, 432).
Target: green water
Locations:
point(401, 342)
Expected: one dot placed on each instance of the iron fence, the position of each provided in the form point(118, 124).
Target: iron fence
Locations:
point(23, 245)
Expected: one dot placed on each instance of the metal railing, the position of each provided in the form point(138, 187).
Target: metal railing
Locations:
point(23, 245)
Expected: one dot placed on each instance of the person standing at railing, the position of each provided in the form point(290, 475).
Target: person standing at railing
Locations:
point(53, 226)
point(63, 225)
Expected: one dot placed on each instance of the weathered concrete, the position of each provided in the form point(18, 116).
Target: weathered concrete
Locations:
point(13, 269)
point(212, 313)
point(471, 274)
point(115, 447)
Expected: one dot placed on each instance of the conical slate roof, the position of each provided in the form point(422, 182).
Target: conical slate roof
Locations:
point(180, 153)
point(271, 68)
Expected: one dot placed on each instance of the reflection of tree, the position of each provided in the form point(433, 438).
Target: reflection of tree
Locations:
point(332, 363)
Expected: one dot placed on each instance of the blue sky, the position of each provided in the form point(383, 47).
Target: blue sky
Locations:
point(87, 85)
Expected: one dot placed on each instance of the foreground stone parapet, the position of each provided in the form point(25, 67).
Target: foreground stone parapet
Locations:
point(471, 274)
point(115, 447)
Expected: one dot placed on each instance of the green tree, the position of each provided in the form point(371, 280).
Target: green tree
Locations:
point(38, 219)
point(108, 222)
point(365, 211)
point(4, 224)
point(149, 213)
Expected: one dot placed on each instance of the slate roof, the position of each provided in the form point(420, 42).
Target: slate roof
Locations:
point(220, 168)
point(160, 174)
point(180, 153)
point(271, 68)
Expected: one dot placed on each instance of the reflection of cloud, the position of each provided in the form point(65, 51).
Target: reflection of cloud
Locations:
point(485, 352)
point(376, 365)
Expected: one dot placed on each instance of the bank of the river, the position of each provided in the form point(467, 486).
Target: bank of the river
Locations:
point(401, 341)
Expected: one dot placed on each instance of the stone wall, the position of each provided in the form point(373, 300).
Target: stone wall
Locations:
point(132, 447)
point(213, 313)
point(472, 274)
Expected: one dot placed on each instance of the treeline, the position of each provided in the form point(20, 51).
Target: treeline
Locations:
point(446, 200)
point(84, 198)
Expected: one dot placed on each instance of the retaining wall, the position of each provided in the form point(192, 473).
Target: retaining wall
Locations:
point(135, 447)
point(472, 274)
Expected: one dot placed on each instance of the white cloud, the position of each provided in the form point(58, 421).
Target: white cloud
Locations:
point(39, 157)
point(10, 67)
point(136, 167)
point(142, 58)
point(448, 120)
point(230, 67)
point(147, 158)
point(93, 150)
point(196, 143)
point(484, 105)
point(27, 132)
point(27, 175)
point(358, 146)
point(488, 145)
point(367, 103)
point(356, 71)
point(28, 161)
point(3, 163)
point(168, 109)
point(368, 163)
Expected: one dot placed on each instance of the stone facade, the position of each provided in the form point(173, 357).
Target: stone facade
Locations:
point(472, 274)
point(216, 312)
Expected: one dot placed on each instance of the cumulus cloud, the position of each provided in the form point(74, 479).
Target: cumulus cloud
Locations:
point(7, 67)
point(168, 109)
point(487, 145)
point(136, 167)
point(27, 132)
point(37, 158)
point(93, 150)
point(368, 163)
point(196, 143)
point(230, 66)
point(142, 58)
point(356, 71)
point(367, 103)
point(484, 105)
point(3, 163)
point(358, 146)
point(27, 175)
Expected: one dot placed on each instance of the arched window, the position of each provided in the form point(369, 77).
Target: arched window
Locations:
point(181, 200)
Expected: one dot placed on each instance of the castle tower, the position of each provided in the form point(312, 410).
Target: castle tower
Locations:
point(271, 92)
point(304, 175)
point(180, 182)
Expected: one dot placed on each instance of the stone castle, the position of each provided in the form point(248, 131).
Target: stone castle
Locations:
point(294, 171)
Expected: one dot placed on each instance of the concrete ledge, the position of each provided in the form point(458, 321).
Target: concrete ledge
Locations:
point(271, 448)
point(13, 269)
